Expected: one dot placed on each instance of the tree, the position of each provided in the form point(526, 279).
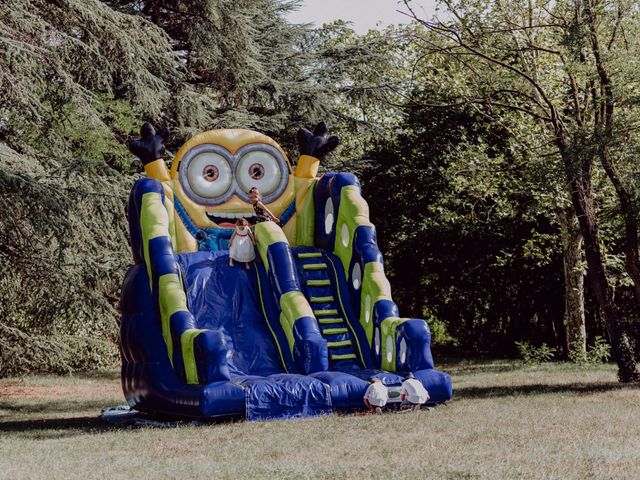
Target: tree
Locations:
point(395, 100)
point(244, 66)
point(551, 71)
point(77, 78)
point(574, 317)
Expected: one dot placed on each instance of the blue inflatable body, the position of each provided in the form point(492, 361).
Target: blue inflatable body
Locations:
point(299, 333)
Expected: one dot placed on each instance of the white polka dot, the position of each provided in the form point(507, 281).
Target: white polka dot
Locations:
point(328, 216)
point(377, 341)
point(356, 276)
point(389, 348)
point(367, 309)
point(403, 351)
point(344, 235)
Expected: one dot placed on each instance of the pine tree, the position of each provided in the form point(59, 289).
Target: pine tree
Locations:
point(244, 66)
point(77, 78)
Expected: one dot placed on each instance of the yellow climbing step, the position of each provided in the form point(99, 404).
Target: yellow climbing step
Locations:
point(314, 266)
point(309, 255)
point(325, 321)
point(344, 356)
point(342, 343)
point(326, 312)
point(334, 331)
point(321, 299)
point(318, 283)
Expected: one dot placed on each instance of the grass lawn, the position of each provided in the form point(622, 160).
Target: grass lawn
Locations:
point(507, 421)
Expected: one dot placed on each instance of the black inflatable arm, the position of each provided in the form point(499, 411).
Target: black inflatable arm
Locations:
point(150, 145)
point(317, 143)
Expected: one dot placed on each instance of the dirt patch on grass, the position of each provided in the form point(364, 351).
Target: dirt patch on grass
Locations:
point(78, 391)
point(631, 394)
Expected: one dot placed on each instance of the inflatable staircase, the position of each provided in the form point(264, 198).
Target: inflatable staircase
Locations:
point(318, 276)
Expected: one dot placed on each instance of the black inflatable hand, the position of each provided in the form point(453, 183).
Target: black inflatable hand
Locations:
point(150, 145)
point(316, 143)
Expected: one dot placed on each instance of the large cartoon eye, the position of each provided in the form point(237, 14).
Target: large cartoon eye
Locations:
point(209, 175)
point(259, 169)
point(206, 174)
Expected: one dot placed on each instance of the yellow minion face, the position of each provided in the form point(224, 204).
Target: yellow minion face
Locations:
point(213, 172)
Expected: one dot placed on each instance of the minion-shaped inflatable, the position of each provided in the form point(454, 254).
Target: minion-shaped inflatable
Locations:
point(300, 332)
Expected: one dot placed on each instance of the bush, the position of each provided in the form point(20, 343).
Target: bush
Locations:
point(576, 355)
point(91, 353)
point(535, 355)
point(440, 336)
point(600, 352)
point(63, 248)
point(21, 353)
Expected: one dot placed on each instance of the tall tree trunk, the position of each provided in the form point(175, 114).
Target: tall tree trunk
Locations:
point(574, 320)
point(603, 133)
point(579, 175)
point(582, 199)
point(630, 217)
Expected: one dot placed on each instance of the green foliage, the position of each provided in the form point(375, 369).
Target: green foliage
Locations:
point(86, 353)
point(534, 355)
point(77, 79)
point(440, 336)
point(60, 60)
point(370, 73)
point(463, 188)
point(599, 352)
point(64, 255)
point(102, 147)
point(464, 178)
point(22, 353)
point(464, 230)
point(243, 66)
point(81, 76)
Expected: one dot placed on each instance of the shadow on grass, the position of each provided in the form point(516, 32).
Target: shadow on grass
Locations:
point(540, 389)
point(54, 428)
point(470, 366)
point(62, 423)
point(54, 406)
point(87, 421)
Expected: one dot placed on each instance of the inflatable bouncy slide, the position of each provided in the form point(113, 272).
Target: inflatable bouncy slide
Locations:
point(302, 331)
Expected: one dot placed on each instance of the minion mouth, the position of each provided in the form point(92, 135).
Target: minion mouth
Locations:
point(226, 219)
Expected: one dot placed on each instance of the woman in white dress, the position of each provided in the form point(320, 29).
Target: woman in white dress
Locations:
point(241, 244)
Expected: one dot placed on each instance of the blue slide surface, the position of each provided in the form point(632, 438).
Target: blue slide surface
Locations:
point(227, 299)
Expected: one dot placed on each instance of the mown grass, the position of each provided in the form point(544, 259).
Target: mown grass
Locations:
point(506, 422)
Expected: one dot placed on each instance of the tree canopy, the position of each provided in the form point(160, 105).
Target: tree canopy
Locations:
point(496, 146)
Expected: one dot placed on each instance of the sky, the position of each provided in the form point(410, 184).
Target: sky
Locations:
point(364, 14)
